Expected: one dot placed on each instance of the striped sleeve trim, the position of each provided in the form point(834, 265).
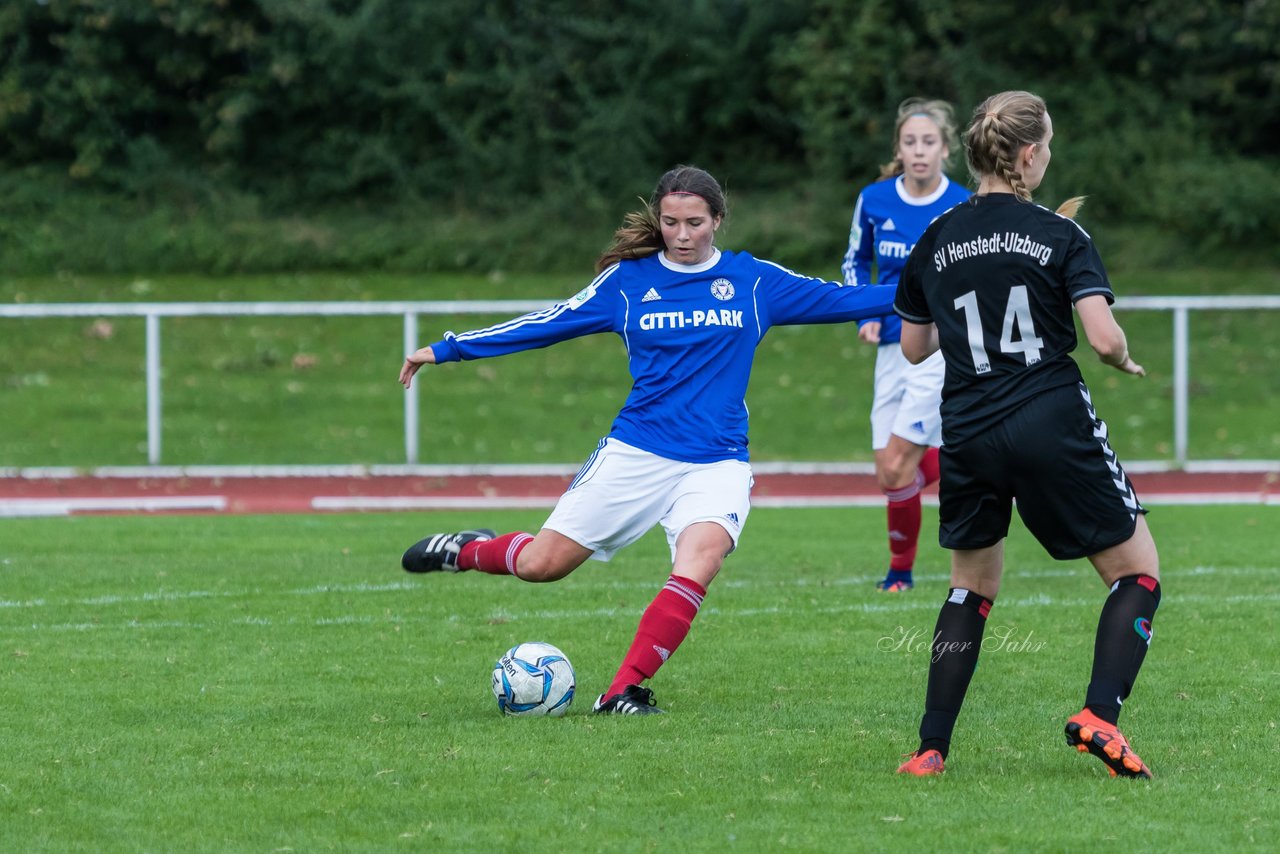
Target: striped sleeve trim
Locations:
point(914, 318)
point(533, 318)
point(1106, 292)
point(849, 267)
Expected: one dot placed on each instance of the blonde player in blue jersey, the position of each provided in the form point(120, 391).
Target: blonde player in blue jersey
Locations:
point(691, 317)
point(888, 219)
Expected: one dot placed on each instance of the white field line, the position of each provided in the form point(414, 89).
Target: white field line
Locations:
point(602, 613)
point(880, 604)
point(31, 507)
point(358, 503)
point(531, 469)
point(443, 502)
point(65, 506)
point(516, 502)
point(411, 584)
point(1213, 498)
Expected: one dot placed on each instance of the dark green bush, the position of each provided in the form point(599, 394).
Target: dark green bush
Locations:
point(232, 135)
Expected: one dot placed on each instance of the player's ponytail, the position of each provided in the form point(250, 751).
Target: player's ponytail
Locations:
point(641, 233)
point(639, 236)
point(1070, 207)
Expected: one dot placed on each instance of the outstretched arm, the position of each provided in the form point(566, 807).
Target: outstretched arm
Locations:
point(584, 314)
point(794, 299)
point(414, 361)
point(1105, 335)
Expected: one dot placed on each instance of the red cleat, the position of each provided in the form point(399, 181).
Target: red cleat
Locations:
point(1088, 733)
point(926, 763)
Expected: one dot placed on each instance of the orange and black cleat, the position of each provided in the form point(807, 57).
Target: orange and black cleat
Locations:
point(1088, 733)
point(923, 763)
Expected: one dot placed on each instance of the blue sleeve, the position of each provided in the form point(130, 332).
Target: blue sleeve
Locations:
point(861, 252)
point(590, 311)
point(789, 298)
point(857, 259)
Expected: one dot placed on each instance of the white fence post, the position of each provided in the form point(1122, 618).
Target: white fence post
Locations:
point(1181, 370)
point(153, 388)
point(411, 393)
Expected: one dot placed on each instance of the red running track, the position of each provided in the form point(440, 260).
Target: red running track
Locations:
point(51, 496)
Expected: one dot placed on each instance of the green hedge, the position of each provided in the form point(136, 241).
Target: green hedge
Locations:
point(236, 135)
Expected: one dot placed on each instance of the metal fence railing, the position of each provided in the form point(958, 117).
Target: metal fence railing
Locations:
point(409, 311)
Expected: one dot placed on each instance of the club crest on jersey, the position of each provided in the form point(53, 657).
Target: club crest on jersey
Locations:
point(722, 289)
point(582, 296)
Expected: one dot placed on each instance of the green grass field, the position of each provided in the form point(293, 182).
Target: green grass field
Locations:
point(276, 683)
point(323, 391)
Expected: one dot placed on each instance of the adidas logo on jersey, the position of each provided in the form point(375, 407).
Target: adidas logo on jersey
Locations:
point(650, 296)
point(888, 225)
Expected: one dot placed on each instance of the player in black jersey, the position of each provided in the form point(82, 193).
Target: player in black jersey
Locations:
point(992, 283)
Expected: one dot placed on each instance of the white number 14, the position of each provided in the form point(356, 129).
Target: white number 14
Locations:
point(1018, 311)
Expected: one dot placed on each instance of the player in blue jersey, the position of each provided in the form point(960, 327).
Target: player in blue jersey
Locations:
point(691, 318)
point(888, 219)
point(993, 282)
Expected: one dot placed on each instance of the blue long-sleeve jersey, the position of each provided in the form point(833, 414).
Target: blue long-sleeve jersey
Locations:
point(887, 222)
point(691, 334)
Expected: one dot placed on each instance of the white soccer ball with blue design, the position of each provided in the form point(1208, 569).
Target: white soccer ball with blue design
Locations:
point(533, 679)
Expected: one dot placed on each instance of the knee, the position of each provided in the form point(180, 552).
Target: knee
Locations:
point(700, 561)
point(894, 471)
point(703, 569)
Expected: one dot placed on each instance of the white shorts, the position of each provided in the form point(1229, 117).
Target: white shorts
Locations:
point(621, 492)
point(908, 398)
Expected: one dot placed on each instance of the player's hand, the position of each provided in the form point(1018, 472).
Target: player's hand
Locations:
point(1129, 366)
point(870, 332)
point(413, 362)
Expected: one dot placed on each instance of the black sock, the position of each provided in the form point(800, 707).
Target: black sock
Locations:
point(957, 639)
point(1124, 633)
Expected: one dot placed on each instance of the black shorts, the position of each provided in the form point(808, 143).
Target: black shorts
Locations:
point(1051, 455)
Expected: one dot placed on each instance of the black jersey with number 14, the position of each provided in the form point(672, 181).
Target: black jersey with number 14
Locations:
point(999, 277)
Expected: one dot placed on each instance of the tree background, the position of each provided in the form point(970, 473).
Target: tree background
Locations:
point(243, 135)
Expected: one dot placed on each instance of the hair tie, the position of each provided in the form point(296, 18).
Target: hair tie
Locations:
point(993, 115)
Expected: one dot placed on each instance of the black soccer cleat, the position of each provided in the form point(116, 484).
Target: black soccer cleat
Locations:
point(439, 552)
point(633, 700)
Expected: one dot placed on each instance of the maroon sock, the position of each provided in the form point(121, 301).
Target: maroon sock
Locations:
point(904, 524)
point(496, 556)
point(662, 627)
point(929, 466)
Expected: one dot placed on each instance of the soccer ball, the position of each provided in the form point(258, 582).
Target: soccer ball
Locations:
point(533, 679)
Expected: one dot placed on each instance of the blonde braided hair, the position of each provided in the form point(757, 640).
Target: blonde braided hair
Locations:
point(1001, 125)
